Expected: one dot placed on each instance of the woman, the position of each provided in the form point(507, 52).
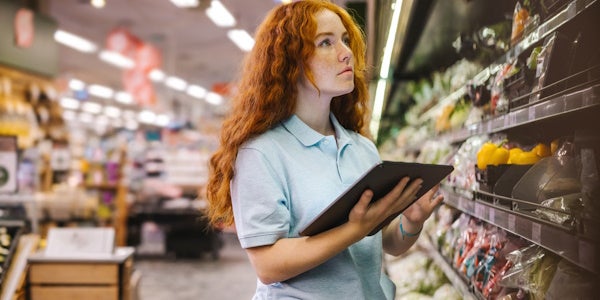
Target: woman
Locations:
point(293, 142)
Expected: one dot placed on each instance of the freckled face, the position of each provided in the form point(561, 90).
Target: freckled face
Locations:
point(332, 63)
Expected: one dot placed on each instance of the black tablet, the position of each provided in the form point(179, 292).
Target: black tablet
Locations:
point(381, 179)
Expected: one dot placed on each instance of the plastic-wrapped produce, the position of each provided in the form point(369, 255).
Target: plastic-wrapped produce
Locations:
point(447, 292)
point(571, 282)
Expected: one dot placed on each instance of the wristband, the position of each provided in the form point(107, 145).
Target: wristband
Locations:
point(408, 234)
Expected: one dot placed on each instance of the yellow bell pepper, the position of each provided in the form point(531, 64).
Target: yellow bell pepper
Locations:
point(484, 154)
point(499, 156)
point(541, 149)
point(526, 158)
point(512, 153)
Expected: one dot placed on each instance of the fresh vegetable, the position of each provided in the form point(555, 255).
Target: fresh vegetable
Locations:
point(492, 154)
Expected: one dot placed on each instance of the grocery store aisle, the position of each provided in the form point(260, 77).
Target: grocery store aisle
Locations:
point(229, 277)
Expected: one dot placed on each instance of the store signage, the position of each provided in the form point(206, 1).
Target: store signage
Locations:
point(27, 40)
point(8, 164)
point(80, 242)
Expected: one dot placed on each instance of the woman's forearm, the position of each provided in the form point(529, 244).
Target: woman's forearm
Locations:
point(290, 257)
point(394, 242)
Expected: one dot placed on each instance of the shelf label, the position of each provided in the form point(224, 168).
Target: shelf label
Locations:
point(536, 233)
point(511, 222)
point(492, 215)
point(480, 210)
point(531, 113)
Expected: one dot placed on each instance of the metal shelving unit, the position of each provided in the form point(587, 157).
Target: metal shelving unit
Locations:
point(458, 281)
point(559, 239)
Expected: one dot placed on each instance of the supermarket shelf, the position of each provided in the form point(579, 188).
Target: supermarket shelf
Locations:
point(553, 237)
point(459, 282)
point(579, 100)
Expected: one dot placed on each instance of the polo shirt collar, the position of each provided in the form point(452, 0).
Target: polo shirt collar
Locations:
point(309, 137)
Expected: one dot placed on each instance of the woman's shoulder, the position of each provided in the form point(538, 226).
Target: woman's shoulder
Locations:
point(265, 140)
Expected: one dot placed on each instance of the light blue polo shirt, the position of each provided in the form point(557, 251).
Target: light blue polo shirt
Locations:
point(283, 179)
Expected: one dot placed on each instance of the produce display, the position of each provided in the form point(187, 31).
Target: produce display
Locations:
point(499, 265)
point(8, 238)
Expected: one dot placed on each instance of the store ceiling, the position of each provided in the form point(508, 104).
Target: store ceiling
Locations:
point(191, 45)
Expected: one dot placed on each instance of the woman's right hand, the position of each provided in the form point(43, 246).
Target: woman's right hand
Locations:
point(369, 215)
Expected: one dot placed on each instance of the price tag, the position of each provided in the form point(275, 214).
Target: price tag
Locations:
point(531, 113)
point(536, 233)
point(480, 210)
point(492, 215)
point(489, 126)
point(511, 222)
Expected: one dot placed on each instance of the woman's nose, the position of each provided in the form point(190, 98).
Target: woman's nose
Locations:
point(345, 53)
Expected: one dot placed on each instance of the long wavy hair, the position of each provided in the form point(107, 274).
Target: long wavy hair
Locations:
point(267, 90)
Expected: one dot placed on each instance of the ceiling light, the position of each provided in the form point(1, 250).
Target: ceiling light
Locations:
point(214, 98)
point(196, 91)
point(157, 75)
point(98, 3)
point(220, 15)
point(100, 91)
point(146, 116)
point(391, 39)
point(112, 111)
point(162, 120)
point(176, 83)
point(76, 42)
point(241, 38)
point(76, 84)
point(185, 3)
point(124, 97)
point(116, 59)
point(69, 103)
point(91, 107)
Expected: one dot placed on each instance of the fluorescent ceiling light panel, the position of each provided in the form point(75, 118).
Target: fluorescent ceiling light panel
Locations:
point(69, 103)
point(176, 83)
point(147, 116)
point(116, 59)
point(162, 120)
point(196, 91)
point(112, 111)
point(76, 84)
point(98, 3)
point(214, 98)
point(76, 42)
point(185, 3)
point(100, 91)
point(241, 38)
point(220, 15)
point(91, 107)
point(157, 75)
point(391, 39)
point(124, 97)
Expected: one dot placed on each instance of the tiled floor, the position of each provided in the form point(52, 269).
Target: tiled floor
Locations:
point(229, 277)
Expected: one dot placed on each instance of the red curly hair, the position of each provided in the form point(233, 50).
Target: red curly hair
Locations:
point(267, 90)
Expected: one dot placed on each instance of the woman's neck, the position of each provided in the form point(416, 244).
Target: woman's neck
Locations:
point(315, 113)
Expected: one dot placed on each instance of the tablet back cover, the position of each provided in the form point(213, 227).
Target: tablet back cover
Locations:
point(381, 178)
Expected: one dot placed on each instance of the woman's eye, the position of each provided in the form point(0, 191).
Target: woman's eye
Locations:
point(347, 41)
point(324, 43)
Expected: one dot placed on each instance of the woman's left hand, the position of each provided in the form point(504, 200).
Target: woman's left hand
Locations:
point(419, 211)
